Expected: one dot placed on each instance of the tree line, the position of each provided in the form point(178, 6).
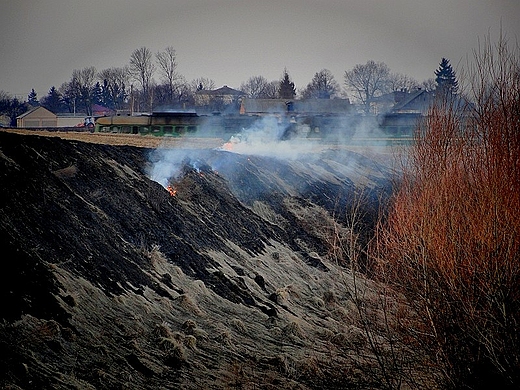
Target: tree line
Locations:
point(134, 86)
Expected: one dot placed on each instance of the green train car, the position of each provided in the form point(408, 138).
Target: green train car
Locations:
point(169, 123)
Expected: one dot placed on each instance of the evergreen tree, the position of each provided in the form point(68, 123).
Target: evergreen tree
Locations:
point(107, 98)
point(32, 98)
point(119, 95)
point(97, 94)
point(445, 78)
point(286, 89)
point(53, 101)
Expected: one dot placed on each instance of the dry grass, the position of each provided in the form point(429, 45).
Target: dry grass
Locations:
point(142, 141)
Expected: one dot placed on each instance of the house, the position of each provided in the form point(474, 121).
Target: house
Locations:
point(322, 107)
point(99, 110)
point(219, 98)
point(37, 117)
point(250, 106)
point(402, 101)
point(401, 118)
point(417, 102)
point(305, 107)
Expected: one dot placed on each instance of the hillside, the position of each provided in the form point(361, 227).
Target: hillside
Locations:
point(109, 281)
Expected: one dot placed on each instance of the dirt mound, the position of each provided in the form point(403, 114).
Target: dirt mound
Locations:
point(109, 281)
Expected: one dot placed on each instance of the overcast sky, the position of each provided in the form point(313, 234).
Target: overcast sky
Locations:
point(229, 41)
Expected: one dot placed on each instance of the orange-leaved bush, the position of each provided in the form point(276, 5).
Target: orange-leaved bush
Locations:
point(451, 240)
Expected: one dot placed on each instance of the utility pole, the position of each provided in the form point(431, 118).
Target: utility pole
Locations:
point(131, 99)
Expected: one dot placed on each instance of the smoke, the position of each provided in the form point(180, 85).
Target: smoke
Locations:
point(275, 136)
point(166, 164)
point(272, 136)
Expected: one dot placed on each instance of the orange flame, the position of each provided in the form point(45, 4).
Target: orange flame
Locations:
point(171, 190)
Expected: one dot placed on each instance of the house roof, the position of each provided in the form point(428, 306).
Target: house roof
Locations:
point(386, 98)
point(102, 110)
point(35, 109)
point(225, 90)
point(418, 100)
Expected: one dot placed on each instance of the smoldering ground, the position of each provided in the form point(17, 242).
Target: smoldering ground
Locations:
point(275, 138)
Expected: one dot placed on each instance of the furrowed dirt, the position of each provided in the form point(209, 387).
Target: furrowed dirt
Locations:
point(109, 281)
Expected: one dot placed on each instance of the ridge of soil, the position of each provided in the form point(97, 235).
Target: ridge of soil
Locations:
point(110, 282)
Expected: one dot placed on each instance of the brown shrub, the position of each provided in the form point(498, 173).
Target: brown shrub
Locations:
point(451, 241)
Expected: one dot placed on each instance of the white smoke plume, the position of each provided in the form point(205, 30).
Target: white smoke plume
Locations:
point(267, 137)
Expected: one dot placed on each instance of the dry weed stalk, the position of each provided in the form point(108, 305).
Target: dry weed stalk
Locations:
point(382, 351)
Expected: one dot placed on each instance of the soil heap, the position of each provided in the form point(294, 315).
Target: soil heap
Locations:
point(229, 279)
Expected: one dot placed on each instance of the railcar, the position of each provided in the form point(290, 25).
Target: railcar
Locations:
point(172, 123)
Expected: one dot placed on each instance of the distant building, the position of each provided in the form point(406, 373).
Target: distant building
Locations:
point(219, 99)
point(37, 117)
point(416, 102)
point(399, 112)
point(98, 110)
point(70, 120)
point(322, 107)
point(40, 117)
point(250, 106)
point(305, 107)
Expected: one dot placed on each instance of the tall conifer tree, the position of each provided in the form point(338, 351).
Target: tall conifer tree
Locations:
point(445, 77)
point(286, 89)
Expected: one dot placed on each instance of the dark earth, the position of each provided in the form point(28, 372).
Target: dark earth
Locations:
point(110, 282)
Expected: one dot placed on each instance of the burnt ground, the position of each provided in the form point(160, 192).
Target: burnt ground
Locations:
point(110, 282)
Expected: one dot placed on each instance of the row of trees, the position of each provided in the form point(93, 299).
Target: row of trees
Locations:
point(363, 83)
point(134, 86)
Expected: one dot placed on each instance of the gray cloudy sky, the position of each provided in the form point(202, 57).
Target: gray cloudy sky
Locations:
point(232, 40)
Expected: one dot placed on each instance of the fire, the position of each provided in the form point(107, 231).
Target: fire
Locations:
point(227, 146)
point(172, 190)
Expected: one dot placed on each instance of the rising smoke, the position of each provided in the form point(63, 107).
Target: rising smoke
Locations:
point(271, 136)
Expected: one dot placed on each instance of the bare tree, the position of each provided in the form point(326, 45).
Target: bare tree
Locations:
point(142, 69)
point(271, 90)
point(115, 82)
point(368, 81)
point(179, 96)
point(119, 76)
point(322, 86)
point(401, 82)
point(429, 85)
point(167, 61)
point(202, 83)
point(256, 87)
point(78, 91)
